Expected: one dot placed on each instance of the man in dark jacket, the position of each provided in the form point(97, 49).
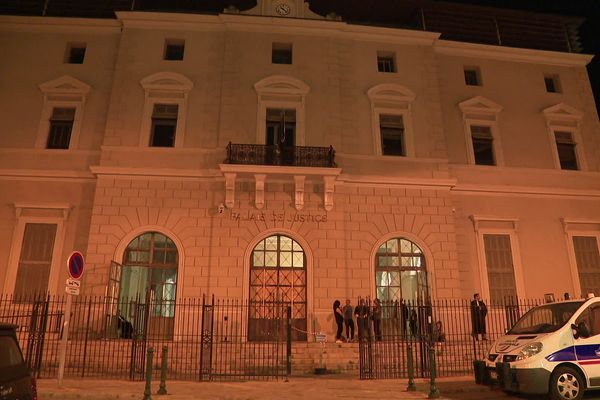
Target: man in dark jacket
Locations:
point(478, 314)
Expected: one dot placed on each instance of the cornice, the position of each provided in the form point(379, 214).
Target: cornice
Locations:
point(154, 172)
point(47, 24)
point(377, 180)
point(513, 54)
point(525, 191)
point(45, 174)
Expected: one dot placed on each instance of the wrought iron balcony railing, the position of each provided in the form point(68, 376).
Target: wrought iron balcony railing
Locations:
point(295, 156)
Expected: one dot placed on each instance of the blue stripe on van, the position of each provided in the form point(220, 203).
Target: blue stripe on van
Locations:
point(566, 354)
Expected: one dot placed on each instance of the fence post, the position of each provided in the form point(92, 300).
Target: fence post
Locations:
point(148, 389)
point(288, 360)
point(434, 393)
point(163, 372)
point(411, 368)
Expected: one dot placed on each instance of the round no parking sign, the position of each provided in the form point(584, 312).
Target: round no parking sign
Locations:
point(75, 264)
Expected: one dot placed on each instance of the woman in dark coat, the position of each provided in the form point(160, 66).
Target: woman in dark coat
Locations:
point(339, 320)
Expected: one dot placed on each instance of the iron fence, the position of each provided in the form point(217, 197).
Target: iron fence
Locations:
point(444, 326)
point(207, 339)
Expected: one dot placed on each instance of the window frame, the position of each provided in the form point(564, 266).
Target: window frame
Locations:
point(52, 213)
point(281, 47)
point(478, 77)
point(564, 118)
point(497, 225)
point(480, 111)
point(578, 228)
point(391, 99)
point(471, 148)
point(173, 42)
point(69, 52)
point(166, 88)
point(555, 79)
point(387, 55)
point(64, 92)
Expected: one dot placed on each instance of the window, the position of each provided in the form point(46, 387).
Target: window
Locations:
point(61, 124)
point(75, 53)
point(587, 259)
point(552, 83)
point(391, 128)
point(386, 62)
point(35, 261)
point(565, 147)
point(277, 279)
point(500, 270)
point(62, 113)
point(391, 120)
point(281, 53)
point(400, 271)
point(164, 125)
point(472, 76)
point(591, 320)
point(483, 149)
point(174, 50)
point(277, 119)
point(164, 112)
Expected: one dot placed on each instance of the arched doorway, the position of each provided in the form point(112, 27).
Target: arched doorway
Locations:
point(148, 284)
point(400, 271)
point(277, 280)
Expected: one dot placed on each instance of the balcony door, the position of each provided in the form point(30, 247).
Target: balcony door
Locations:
point(281, 136)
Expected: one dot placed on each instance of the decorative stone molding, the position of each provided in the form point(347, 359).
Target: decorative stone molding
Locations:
point(478, 219)
point(299, 192)
point(328, 192)
point(259, 196)
point(230, 190)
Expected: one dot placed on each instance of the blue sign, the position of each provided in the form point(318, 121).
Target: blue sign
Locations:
point(75, 265)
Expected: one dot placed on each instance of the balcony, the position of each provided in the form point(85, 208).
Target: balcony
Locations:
point(291, 156)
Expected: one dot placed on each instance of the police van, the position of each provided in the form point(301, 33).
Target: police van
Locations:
point(554, 348)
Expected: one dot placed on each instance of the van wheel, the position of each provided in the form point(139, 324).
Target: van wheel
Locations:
point(566, 383)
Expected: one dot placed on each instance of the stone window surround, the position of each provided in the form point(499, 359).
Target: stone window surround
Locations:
point(564, 118)
point(497, 225)
point(40, 213)
point(165, 88)
point(281, 92)
point(63, 92)
point(392, 99)
point(480, 111)
point(578, 227)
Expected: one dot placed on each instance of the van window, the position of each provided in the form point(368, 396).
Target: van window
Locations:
point(591, 318)
point(546, 318)
point(10, 354)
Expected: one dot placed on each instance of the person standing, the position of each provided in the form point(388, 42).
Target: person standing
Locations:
point(339, 320)
point(348, 321)
point(361, 311)
point(478, 314)
point(377, 319)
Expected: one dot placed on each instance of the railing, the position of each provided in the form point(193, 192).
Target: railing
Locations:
point(297, 156)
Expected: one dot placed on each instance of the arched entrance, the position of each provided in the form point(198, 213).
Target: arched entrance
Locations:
point(277, 280)
point(148, 284)
point(400, 272)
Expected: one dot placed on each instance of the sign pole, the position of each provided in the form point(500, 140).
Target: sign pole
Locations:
point(63, 341)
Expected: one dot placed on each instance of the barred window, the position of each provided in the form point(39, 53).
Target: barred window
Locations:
point(386, 62)
point(400, 271)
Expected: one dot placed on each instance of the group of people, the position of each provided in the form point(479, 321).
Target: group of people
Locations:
point(369, 316)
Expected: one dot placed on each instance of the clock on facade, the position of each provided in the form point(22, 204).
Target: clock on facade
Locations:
point(283, 9)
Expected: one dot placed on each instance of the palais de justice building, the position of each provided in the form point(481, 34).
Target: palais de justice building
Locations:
point(275, 151)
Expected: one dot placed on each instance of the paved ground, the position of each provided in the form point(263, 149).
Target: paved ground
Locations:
point(312, 388)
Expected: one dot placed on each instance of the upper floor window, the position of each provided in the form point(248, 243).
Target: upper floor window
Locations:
point(174, 49)
point(472, 76)
point(62, 113)
point(565, 147)
point(61, 124)
point(165, 109)
point(483, 149)
point(164, 125)
point(587, 257)
point(391, 128)
point(552, 83)
point(386, 62)
point(75, 53)
point(281, 53)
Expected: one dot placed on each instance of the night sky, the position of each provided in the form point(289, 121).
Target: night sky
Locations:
point(589, 32)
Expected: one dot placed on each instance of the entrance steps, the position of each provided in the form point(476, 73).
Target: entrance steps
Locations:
point(337, 357)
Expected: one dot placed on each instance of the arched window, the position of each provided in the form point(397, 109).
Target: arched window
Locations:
point(148, 283)
point(400, 272)
point(277, 280)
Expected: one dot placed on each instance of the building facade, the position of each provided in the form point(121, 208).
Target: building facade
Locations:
point(273, 154)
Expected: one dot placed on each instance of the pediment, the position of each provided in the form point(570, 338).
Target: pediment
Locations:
point(65, 85)
point(167, 81)
point(480, 104)
point(391, 92)
point(281, 84)
point(562, 111)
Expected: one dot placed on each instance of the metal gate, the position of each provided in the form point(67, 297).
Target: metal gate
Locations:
point(229, 352)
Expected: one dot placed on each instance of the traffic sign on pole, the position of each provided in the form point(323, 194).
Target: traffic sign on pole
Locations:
point(75, 265)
